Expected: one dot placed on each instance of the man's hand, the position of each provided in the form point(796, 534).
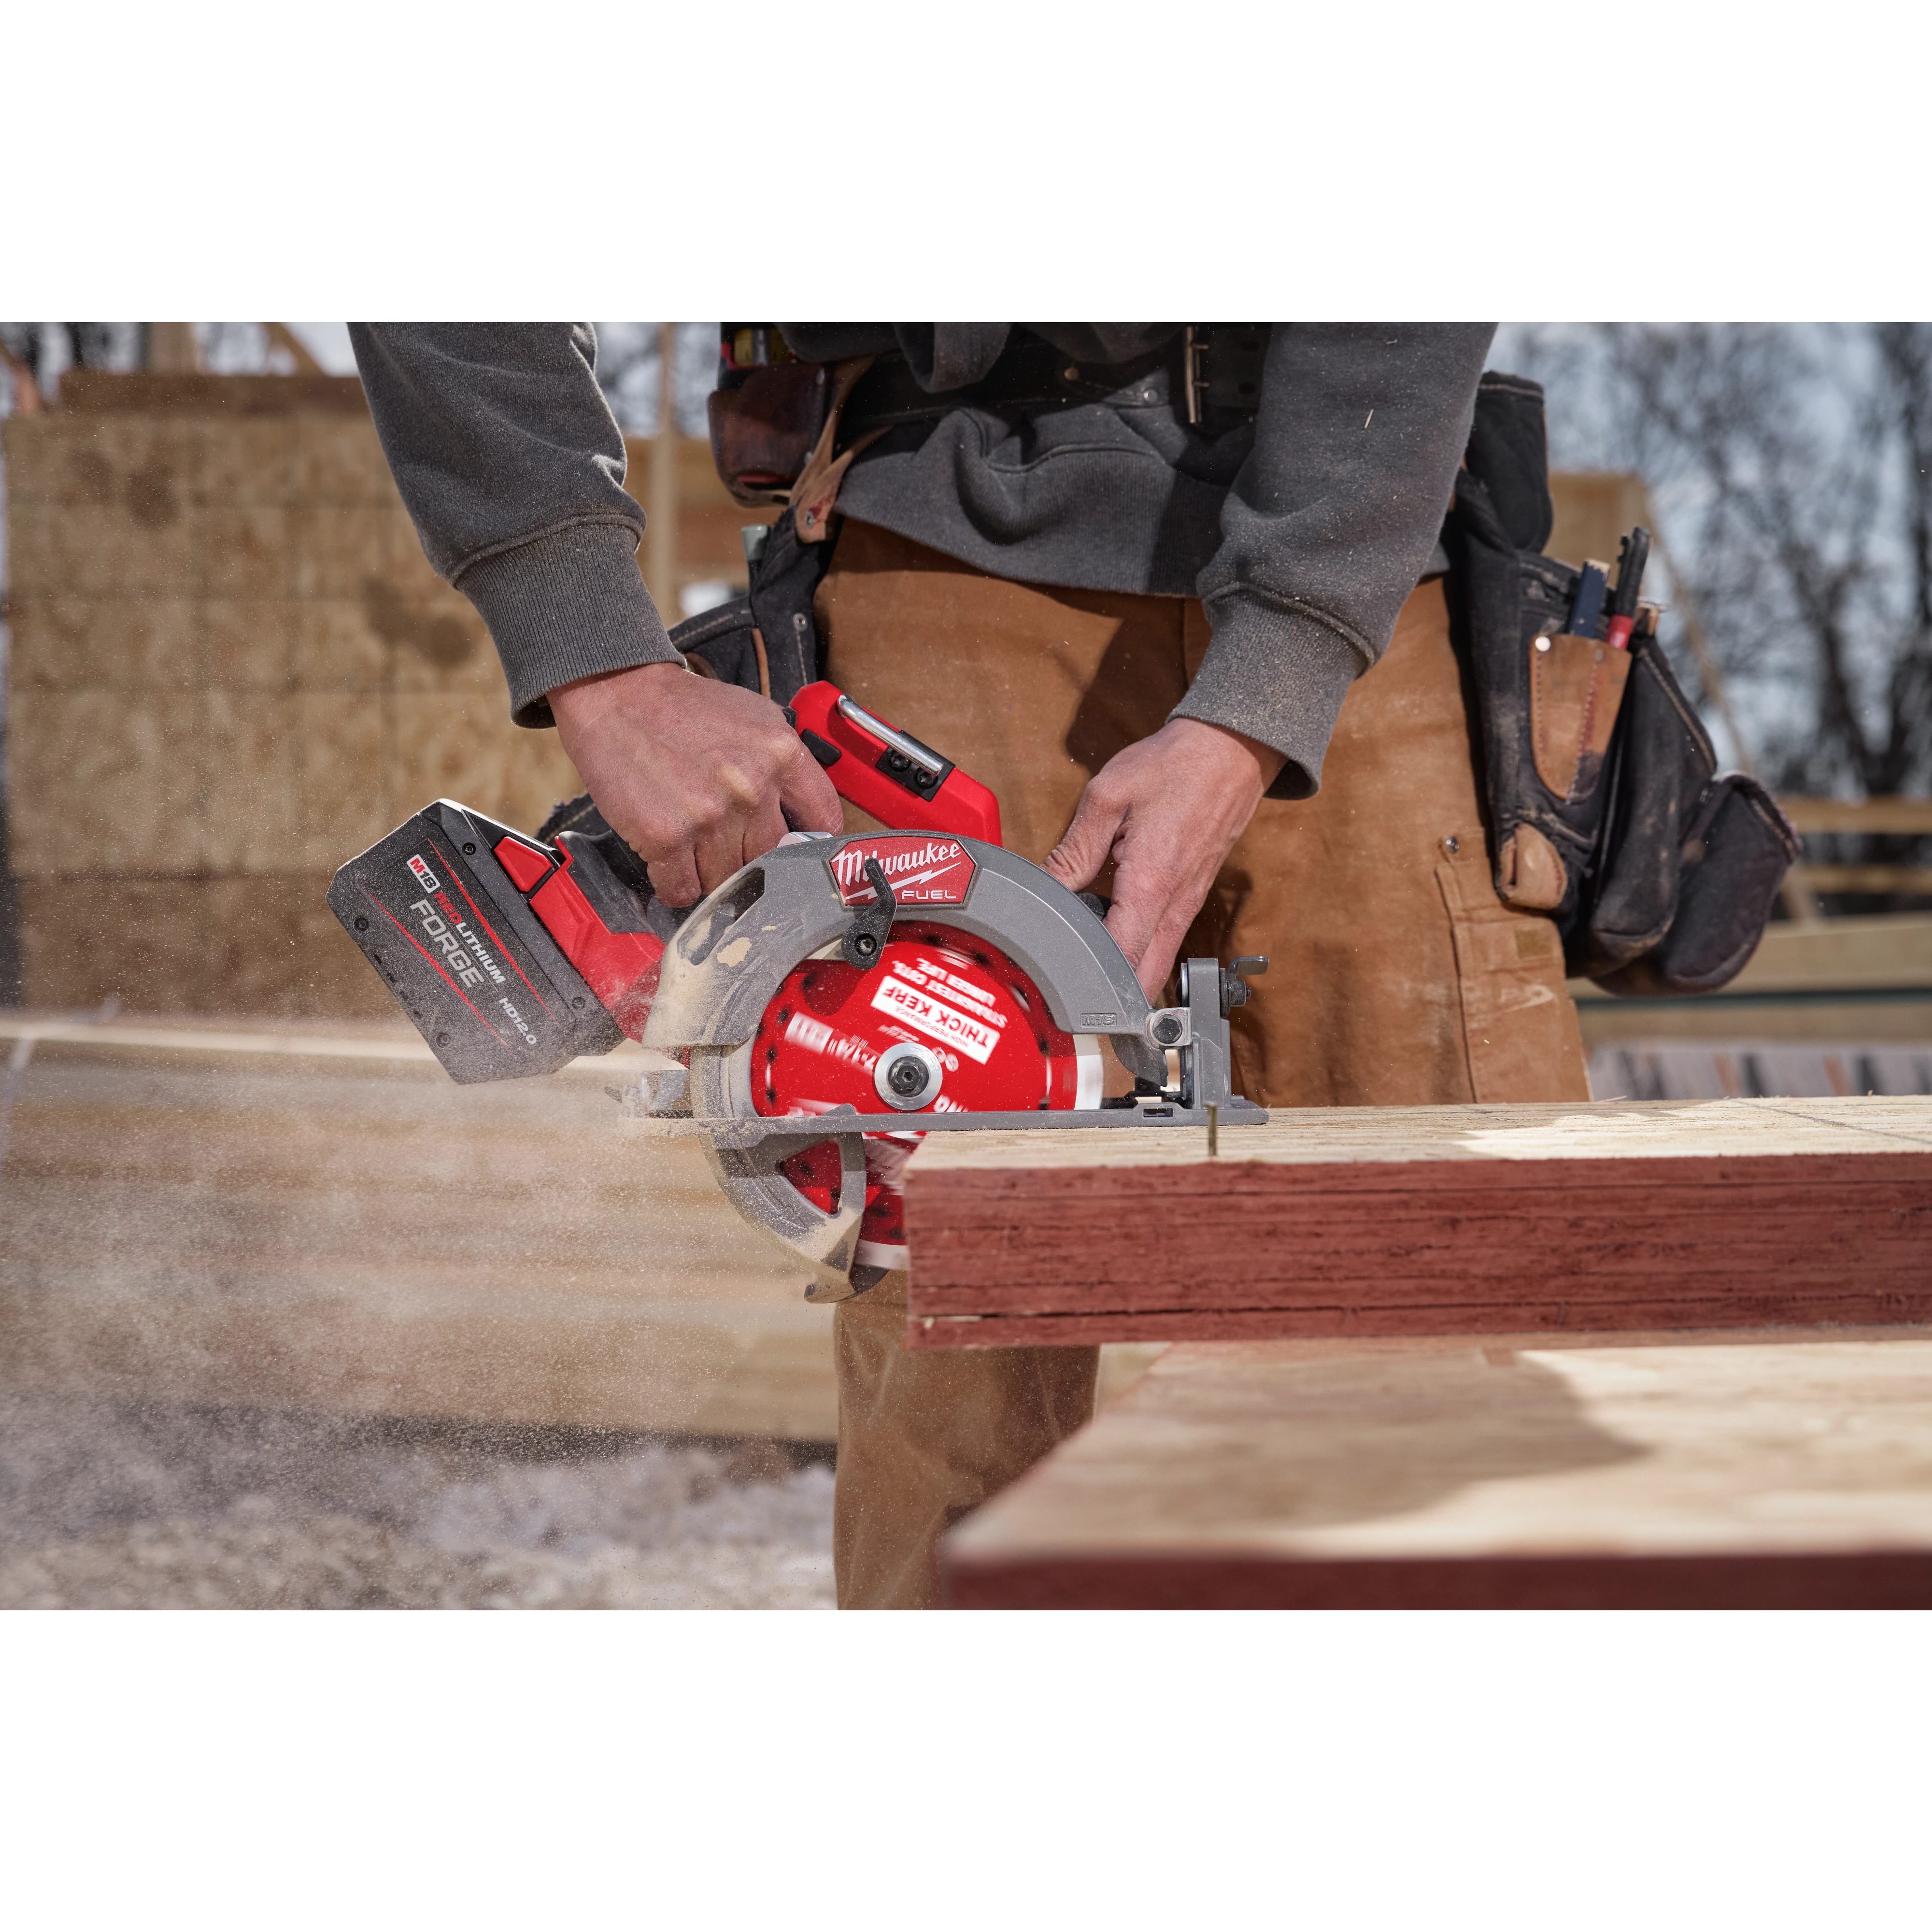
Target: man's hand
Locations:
point(1169, 809)
point(696, 776)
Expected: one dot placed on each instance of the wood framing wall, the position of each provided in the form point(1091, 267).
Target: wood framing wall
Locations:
point(233, 668)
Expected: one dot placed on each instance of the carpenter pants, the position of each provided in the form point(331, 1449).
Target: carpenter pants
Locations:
point(1396, 977)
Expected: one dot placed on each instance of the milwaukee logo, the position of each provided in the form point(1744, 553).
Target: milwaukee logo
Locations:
point(425, 877)
point(921, 871)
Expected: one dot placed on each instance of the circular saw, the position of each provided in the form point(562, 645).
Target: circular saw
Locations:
point(827, 1006)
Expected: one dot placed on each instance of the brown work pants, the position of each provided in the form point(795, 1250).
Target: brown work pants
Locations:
point(1396, 977)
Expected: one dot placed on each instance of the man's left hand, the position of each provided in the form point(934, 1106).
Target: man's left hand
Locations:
point(1169, 810)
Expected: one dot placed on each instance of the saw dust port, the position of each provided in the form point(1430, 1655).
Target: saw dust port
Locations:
point(287, 1320)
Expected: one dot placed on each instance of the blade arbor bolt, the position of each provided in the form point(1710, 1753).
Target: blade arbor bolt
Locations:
point(908, 1076)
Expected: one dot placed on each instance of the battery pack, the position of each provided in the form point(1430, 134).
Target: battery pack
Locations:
point(438, 912)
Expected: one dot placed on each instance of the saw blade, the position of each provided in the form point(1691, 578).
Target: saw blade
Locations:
point(945, 1022)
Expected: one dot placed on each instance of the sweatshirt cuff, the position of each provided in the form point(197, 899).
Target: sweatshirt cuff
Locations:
point(567, 604)
point(1278, 676)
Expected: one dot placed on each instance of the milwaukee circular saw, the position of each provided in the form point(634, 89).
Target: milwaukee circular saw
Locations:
point(824, 1008)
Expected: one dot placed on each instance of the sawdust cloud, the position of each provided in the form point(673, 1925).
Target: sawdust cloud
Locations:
point(126, 1505)
point(216, 1273)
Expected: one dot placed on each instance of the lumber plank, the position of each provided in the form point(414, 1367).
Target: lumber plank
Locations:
point(1429, 1221)
point(1741, 1471)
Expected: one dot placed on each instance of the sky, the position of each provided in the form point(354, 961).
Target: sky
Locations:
point(328, 342)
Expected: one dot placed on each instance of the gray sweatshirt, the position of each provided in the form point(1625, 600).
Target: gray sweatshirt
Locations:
point(1303, 533)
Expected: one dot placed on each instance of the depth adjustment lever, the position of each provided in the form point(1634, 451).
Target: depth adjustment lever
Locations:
point(864, 944)
point(1235, 980)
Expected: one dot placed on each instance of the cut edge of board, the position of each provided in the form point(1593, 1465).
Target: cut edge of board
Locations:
point(1854, 1315)
point(1881, 1578)
point(1606, 1130)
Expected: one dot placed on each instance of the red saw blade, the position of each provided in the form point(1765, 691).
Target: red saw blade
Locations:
point(990, 1044)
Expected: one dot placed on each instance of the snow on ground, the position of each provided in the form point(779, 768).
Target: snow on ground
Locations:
point(126, 1506)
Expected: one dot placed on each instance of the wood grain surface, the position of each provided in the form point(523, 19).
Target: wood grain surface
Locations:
point(1738, 1472)
point(1442, 1220)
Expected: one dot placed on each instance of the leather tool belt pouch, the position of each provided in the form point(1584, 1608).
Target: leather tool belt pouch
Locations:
point(766, 640)
point(764, 427)
point(1606, 809)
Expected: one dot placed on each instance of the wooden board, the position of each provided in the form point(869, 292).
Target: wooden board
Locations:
point(1387, 1221)
point(1846, 980)
point(1633, 1472)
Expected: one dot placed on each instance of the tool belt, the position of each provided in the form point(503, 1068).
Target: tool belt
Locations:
point(784, 431)
point(768, 420)
point(1606, 807)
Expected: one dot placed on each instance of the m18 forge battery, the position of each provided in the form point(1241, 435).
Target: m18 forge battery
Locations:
point(512, 956)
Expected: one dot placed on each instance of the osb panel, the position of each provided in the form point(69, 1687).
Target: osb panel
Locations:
point(97, 782)
point(247, 461)
point(253, 958)
point(246, 808)
point(345, 798)
point(266, 945)
point(336, 648)
point(339, 462)
point(244, 550)
point(142, 941)
point(67, 644)
point(333, 550)
point(32, 458)
point(441, 644)
point(136, 462)
point(231, 660)
point(247, 645)
point(94, 392)
point(466, 748)
point(93, 550)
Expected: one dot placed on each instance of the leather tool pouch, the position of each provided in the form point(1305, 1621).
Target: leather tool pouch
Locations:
point(1606, 807)
point(766, 640)
point(765, 426)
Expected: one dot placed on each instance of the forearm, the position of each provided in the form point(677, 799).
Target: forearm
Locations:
point(512, 467)
point(1331, 522)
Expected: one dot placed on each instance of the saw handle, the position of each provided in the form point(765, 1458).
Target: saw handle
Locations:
point(905, 785)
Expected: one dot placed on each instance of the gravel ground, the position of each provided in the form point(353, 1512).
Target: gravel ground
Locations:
point(154, 1506)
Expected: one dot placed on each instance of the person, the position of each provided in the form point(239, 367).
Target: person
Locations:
point(1189, 623)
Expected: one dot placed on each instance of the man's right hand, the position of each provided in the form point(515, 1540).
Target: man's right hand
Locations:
point(696, 776)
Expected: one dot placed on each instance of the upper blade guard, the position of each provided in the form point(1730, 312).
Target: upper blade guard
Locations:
point(439, 918)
